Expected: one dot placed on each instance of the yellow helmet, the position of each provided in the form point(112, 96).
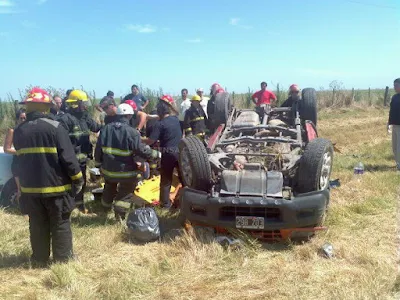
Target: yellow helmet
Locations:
point(77, 95)
point(196, 98)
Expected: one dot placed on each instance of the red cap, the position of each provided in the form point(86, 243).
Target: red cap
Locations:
point(132, 104)
point(168, 99)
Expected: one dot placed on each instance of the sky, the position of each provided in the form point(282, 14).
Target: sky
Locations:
point(173, 44)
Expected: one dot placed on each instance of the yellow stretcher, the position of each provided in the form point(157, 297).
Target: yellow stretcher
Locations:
point(147, 191)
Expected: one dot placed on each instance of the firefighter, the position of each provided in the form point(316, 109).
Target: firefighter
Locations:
point(49, 175)
point(116, 150)
point(195, 119)
point(79, 124)
point(139, 118)
point(168, 132)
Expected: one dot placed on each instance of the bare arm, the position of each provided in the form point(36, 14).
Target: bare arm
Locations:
point(8, 142)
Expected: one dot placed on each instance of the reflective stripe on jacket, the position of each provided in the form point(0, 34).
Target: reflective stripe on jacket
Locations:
point(116, 148)
point(45, 162)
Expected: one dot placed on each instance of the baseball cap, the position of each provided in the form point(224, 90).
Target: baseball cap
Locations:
point(200, 90)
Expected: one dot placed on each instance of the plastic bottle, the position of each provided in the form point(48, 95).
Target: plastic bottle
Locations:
point(359, 169)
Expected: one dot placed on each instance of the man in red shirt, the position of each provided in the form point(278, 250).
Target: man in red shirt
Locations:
point(263, 96)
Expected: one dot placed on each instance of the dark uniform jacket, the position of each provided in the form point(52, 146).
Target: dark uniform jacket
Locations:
point(79, 126)
point(394, 113)
point(45, 162)
point(195, 121)
point(116, 148)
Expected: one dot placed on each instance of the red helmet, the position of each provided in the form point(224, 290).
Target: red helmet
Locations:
point(37, 95)
point(294, 88)
point(215, 87)
point(168, 99)
point(132, 104)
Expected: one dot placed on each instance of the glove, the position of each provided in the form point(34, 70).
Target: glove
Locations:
point(77, 187)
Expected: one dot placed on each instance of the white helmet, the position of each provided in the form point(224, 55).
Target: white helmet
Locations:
point(125, 109)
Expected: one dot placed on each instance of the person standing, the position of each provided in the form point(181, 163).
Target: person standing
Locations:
point(64, 105)
point(184, 106)
point(50, 182)
point(195, 119)
point(8, 141)
point(168, 132)
point(109, 110)
point(263, 96)
point(203, 100)
point(116, 150)
point(139, 118)
point(394, 122)
point(79, 124)
point(56, 107)
point(140, 100)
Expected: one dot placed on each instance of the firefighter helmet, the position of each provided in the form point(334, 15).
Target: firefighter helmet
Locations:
point(131, 103)
point(168, 99)
point(125, 109)
point(37, 95)
point(77, 95)
point(196, 98)
point(294, 88)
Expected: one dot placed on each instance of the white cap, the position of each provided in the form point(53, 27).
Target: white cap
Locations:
point(125, 109)
point(200, 90)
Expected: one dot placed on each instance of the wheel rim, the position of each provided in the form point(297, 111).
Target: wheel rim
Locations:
point(185, 164)
point(325, 171)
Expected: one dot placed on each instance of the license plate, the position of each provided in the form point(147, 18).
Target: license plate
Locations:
point(250, 222)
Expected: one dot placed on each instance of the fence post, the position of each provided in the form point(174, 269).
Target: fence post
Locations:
point(352, 95)
point(385, 99)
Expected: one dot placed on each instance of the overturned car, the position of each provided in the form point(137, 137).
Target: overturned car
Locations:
point(264, 171)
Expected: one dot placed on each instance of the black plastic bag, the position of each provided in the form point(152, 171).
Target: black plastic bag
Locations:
point(143, 225)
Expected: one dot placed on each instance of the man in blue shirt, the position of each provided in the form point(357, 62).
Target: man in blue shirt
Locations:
point(394, 122)
point(140, 100)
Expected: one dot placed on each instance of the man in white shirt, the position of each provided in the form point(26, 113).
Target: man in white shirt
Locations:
point(184, 106)
point(204, 100)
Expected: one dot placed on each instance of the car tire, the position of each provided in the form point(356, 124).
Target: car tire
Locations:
point(308, 105)
point(194, 164)
point(9, 195)
point(315, 166)
point(223, 105)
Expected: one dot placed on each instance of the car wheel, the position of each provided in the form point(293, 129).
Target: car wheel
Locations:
point(315, 166)
point(308, 105)
point(9, 195)
point(193, 164)
point(223, 105)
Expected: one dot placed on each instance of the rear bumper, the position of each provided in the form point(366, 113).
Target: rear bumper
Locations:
point(281, 216)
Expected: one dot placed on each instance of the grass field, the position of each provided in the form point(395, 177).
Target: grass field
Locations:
point(361, 227)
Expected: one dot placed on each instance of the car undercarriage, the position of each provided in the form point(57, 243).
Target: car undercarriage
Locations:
point(265, 171)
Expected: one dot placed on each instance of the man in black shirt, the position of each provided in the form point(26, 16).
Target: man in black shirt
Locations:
point(168, 132)
point(394, 122)
point(140, 100)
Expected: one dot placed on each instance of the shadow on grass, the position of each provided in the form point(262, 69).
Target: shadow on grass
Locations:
point(376, 168)
point(101, 219)
point(15, 261)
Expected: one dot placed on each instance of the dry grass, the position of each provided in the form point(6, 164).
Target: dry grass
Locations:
point(362, 229)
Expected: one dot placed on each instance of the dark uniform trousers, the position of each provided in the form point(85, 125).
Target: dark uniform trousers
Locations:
point(79, 197)
point(168, 163)
point(49, 174)
point(49, 220)
point(121, 193)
